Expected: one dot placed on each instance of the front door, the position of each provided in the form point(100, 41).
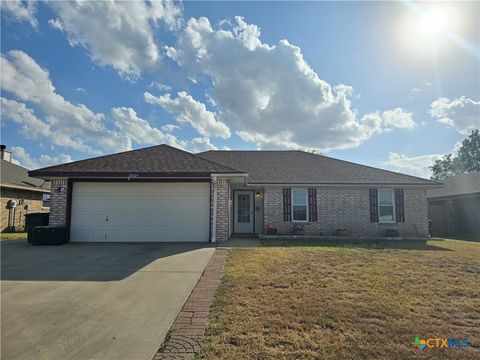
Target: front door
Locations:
point(243, 212)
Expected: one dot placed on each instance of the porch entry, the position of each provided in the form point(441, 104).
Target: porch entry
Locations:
point(243, 214)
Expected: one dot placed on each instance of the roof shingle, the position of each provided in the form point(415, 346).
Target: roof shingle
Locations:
point(299, 167)
point(17, 176)
point(160, 160)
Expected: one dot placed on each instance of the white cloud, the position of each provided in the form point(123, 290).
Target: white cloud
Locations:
point(81, 90)
point(56, 24)
point(201, 144)
point(398, 118)
point(187, 110)
point(414, 165)
point(389, 120)
point(159, 86)
point(462, 113)
point(21, 157)
point(169, 128)
point(120, 34)
point(47, 160)
point(270, 94)
point(19, 113)
point(74, 125)
point(423, 86)
point(139, 130)
point(20, 11)
point(33, 127)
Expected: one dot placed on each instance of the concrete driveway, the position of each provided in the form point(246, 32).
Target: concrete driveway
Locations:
point(93, 301)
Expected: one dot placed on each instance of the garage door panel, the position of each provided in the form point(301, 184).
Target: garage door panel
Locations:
point(140, 212)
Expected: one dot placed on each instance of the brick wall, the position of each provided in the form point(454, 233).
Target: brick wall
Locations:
point(223, 212)
point(348, 208)
point(58, 202)
point(31, 198)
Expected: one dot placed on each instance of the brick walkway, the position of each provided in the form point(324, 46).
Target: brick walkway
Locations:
point(187, 331)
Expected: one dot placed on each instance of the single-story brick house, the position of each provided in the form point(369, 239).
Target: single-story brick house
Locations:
point(20, 194)
point(162, 193)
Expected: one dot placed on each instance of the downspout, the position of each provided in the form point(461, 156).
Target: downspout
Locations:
point(214, 215)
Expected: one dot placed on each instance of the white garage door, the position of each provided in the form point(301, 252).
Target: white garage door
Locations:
point(136, 212)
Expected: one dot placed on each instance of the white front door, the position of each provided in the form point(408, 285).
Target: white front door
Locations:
point(243, 212)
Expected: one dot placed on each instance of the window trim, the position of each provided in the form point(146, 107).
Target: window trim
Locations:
point(393, 221)
point(306, 205)
point(49, 200)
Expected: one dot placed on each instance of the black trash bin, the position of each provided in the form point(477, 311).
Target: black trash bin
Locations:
point(35, 219)
point(49, 235)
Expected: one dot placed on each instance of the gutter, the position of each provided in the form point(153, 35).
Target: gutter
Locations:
point(20, 187)
point(214, 215)
point(367, 185)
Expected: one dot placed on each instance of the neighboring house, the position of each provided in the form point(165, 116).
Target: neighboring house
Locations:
point(162, 193)
point(455, 208)
point(20, 194)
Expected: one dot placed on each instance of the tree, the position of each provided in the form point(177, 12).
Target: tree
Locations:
point(468, 159)
point(469, 153)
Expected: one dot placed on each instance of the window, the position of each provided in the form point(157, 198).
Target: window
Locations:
point(299, 205)
point(46, 200)
point(386, 206)
point(243, 209)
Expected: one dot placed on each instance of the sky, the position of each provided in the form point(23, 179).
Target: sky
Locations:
point(394, 85)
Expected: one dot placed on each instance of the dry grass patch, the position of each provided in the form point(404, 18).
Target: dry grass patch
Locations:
point(349, 303)
point(13, 236)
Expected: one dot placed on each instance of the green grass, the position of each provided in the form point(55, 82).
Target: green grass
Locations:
point(346, 302)
point(13, 236)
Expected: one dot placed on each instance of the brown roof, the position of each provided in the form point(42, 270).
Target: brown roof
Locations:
point(458, 185)
point(16, 176)
point(155, 161)
point(298, 167)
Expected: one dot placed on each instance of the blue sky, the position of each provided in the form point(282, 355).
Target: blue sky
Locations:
point(393, 84)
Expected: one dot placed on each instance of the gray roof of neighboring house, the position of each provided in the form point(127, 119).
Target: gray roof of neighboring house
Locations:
point(458, 185)
point(155, 161)
point(299, 167)
point(12, 175)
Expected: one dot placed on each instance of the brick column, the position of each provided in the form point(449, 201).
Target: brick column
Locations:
point(58, 202)
point(223, 215)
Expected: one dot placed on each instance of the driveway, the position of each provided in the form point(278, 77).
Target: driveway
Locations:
point(93, 301)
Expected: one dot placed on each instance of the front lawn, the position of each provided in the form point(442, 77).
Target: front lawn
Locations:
point(351, 302)
point(13, 236)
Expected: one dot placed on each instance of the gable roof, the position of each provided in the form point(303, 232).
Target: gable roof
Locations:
point(299, 167)
point(156, 161)
point(16, 176)
point(458, 185)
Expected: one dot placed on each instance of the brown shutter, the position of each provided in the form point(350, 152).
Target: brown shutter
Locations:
point(287, 204)
point(399, 206)
point(373, 205)
point(312, 205)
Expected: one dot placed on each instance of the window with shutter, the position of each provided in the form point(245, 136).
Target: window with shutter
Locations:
point(300, 205)
point(287, 204)
point(312, 205)
point(373, 205)
point(386, 206)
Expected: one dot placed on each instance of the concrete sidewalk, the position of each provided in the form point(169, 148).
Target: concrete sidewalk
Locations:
point(239, 242)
